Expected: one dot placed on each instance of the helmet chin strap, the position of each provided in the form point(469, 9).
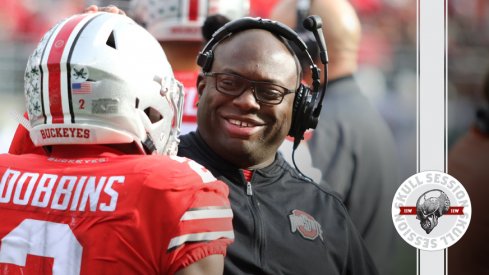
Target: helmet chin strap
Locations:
point(148, 145)
point(171, 147)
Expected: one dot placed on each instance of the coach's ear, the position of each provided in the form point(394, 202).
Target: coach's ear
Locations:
point(201, 82)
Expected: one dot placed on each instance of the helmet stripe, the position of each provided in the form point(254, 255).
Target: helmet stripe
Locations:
point(41, 73)
point(54, 62)
point(68, 68)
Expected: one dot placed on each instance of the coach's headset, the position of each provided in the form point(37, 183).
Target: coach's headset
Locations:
point(307, 106)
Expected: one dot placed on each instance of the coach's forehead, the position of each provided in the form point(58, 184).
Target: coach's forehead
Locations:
point(257, 50)
point(254, 41)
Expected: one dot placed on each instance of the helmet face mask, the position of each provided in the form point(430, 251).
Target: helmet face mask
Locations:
point(164, 123)
point(93, 78)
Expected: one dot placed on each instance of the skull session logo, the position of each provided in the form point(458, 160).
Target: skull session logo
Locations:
point(431, 210)
point(428, 210)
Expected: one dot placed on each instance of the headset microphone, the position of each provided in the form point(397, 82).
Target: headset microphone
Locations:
point(314, 24)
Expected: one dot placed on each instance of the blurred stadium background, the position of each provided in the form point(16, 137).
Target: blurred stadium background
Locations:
point(387, 59)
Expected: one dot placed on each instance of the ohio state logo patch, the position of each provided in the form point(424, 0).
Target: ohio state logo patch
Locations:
point(305, 224)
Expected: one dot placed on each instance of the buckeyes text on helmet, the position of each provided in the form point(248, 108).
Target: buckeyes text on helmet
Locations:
point(100, 78)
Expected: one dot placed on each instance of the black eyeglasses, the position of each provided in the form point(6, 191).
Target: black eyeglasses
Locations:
point(235, 85)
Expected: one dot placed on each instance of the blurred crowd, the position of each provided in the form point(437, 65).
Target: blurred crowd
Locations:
point(387, 60)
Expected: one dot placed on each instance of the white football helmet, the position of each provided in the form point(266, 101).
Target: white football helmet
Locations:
point(181, 20)
point(100, 78)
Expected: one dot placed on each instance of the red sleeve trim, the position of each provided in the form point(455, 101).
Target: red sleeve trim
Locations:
point(196, 252)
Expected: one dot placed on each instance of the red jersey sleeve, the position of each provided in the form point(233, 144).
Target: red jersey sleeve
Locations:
point(205, 223)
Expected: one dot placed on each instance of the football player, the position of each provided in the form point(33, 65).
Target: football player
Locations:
point(108, 196)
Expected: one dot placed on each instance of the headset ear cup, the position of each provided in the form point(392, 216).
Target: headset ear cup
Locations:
point(297, 110)
point(204, 60)
point(302, 117)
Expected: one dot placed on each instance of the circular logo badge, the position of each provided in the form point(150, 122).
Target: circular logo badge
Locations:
point(431, 210)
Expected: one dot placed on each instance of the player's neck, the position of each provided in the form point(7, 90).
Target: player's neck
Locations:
point(182, 55)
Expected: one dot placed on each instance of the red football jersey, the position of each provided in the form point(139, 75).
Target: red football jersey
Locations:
point(90, 210)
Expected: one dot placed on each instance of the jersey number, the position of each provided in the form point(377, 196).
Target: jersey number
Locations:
point(45, 239)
